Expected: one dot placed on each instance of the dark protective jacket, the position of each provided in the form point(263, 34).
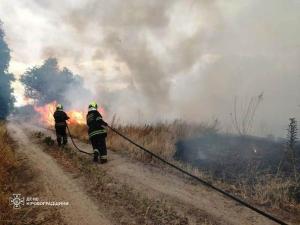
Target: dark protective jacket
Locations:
point(60, 118)
point(95, 123)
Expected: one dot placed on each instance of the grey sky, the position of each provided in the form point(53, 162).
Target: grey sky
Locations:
point(156, 60)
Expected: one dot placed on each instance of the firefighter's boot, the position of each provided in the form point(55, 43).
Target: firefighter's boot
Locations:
point(96, 155)
point(65, 140)
point(59, 141)
point(103, 159)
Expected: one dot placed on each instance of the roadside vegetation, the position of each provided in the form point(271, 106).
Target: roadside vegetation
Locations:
point(119, 201)
point(8, 163)
point(275, 191)
point(17, 177)
point(161, 137)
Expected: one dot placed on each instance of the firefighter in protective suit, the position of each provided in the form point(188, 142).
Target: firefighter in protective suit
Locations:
point(60, 118)
point(97, 130)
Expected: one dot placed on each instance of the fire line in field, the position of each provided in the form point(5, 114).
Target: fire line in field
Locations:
point(46, 114)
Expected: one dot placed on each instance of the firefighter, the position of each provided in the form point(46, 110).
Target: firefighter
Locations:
point(97, 130)
point(60, 118)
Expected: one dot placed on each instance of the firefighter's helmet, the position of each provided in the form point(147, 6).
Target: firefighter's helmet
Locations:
point(93, 105)
point(59, 107)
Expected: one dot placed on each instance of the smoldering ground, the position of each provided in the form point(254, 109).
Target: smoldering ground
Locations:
point(231, 157)
point(161, 60)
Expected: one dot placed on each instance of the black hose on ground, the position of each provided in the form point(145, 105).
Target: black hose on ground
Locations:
point(78, 149)
point(188, 174)
point(202, 181)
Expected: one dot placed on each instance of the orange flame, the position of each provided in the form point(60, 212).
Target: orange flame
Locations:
point(46, 114)
point(76, 117)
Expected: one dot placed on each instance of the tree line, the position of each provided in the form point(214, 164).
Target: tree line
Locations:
point(43, 84)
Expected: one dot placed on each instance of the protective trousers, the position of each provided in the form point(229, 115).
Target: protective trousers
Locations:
point(99, 146)
point(61, 135)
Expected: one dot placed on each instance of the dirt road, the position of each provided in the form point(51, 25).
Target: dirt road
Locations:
point(151, 181)
point(60, 187)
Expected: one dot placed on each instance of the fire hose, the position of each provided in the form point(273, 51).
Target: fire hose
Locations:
point(78, 149)
point(188, 174)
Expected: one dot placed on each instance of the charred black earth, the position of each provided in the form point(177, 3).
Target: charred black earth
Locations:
point(232, 157)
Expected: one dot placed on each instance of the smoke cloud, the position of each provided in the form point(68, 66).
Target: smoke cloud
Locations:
point(158, 60)
point(48, 83)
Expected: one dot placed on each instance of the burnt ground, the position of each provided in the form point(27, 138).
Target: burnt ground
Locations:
point(124, 191)
point(231, 157)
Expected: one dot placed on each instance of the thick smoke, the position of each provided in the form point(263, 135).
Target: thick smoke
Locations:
point(158, 60)
point(144, 37)
point(48, 83)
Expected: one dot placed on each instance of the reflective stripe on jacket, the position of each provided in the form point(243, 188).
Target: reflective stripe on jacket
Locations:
point(97, 132)
point(95, 123)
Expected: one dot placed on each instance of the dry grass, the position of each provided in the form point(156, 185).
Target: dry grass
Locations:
point(160, 138)
point(16, 176)
point(121, 202)
point(267, 191)
point(8, 163)
point(270, 191)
